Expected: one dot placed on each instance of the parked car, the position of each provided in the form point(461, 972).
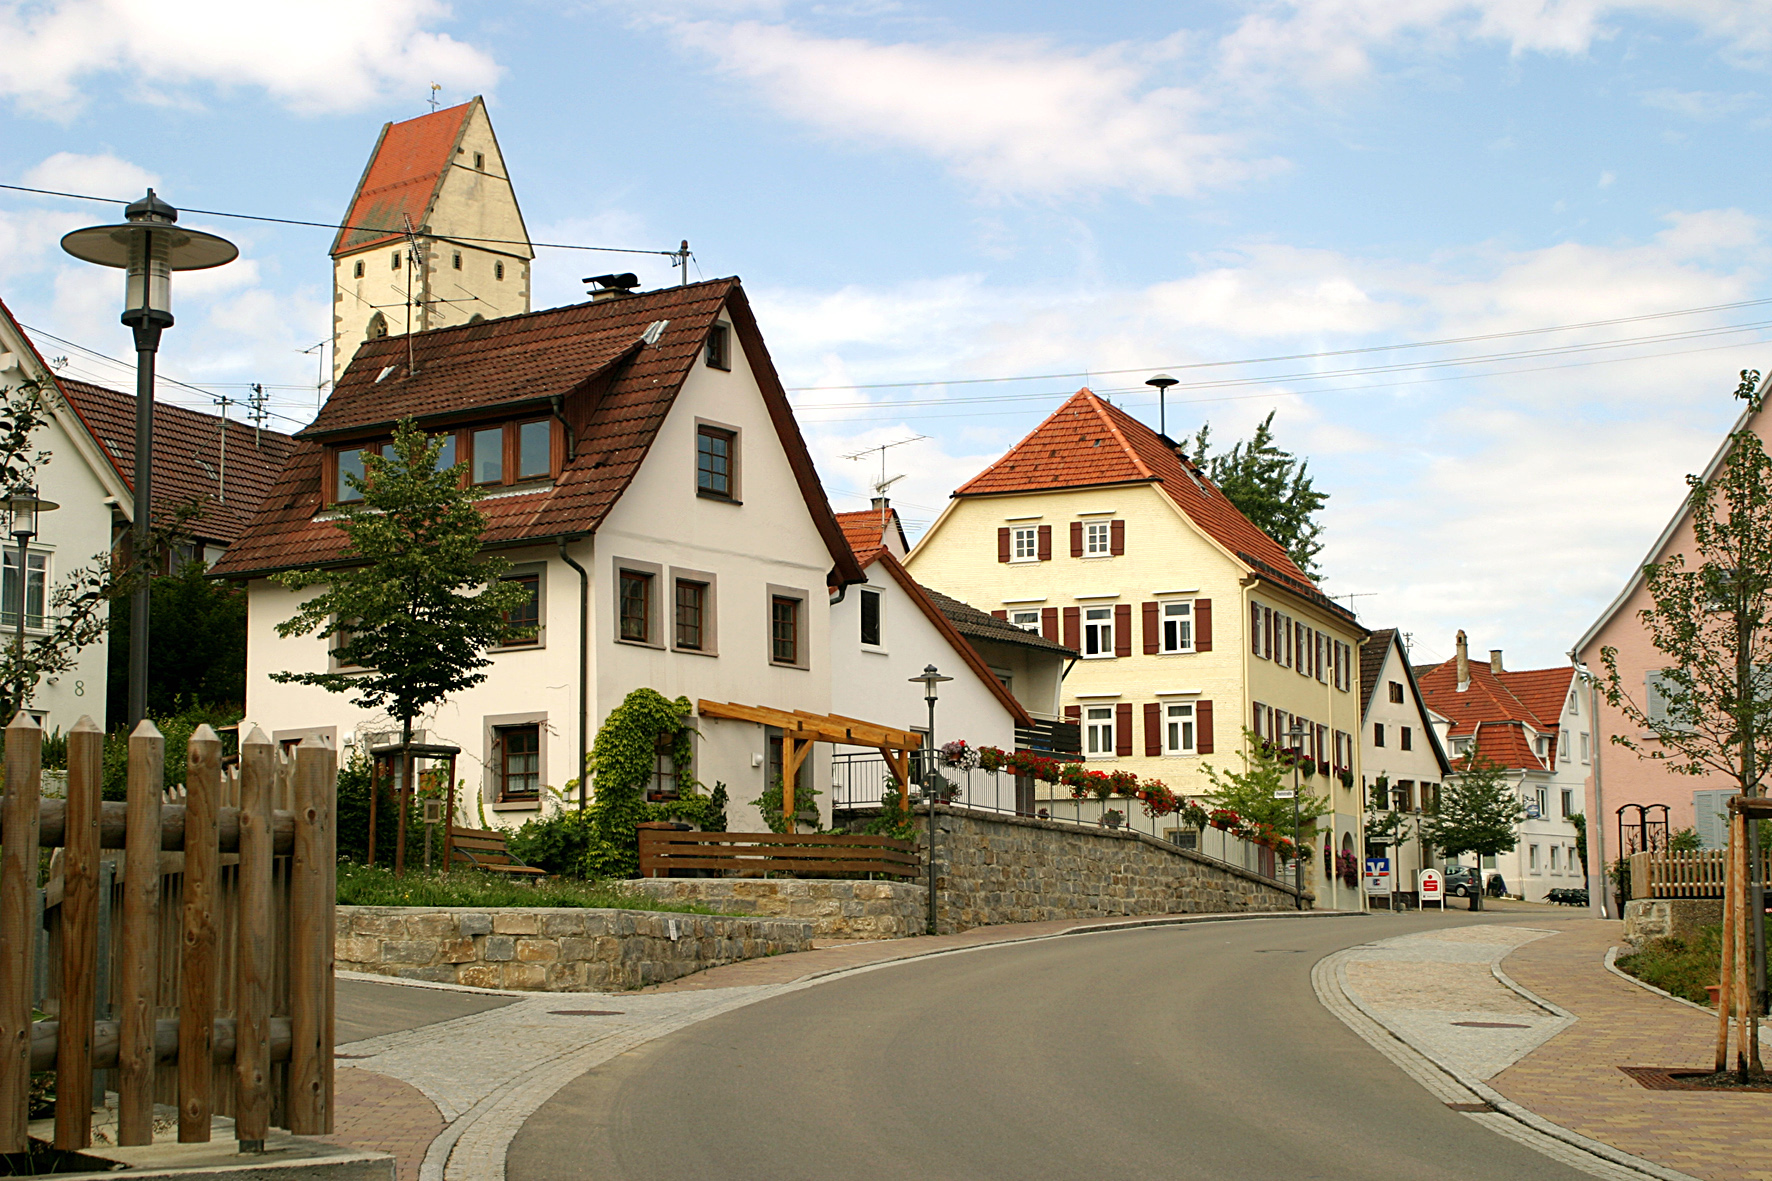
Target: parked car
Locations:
point(1460, 881)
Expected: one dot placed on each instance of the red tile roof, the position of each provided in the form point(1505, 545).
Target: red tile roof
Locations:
point(188, 457)
point(1492, 712)
point(614, 409)
point(1542, 690)
point(1089, 443)
point(402, 178)
point(866, 528)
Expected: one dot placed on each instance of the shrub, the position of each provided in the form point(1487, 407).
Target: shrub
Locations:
point(360, 885)
point(556, 843)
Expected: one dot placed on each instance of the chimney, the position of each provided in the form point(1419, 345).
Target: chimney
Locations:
point(1464, 662)
point(880, 503)
point(1495, 660)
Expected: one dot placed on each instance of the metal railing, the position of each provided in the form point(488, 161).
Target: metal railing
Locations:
point(860, 780)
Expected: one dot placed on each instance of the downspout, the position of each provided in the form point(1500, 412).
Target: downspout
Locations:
point(1596, 830)
point(584, 664)
point(558, 405)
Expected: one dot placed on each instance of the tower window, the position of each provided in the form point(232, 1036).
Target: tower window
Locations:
point(357, 271)
point(498, 270)
point(457, 260)
point(480, 161)
point(378, 327)
point(394, 261)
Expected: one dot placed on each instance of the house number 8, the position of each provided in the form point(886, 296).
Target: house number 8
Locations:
point(79, 688)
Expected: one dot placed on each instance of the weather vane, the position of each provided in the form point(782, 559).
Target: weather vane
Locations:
point(435, 87)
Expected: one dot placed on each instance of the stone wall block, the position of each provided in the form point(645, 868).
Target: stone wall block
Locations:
point(516, 922)
point(408, 951)
point(436, 925)
point(471, 923)
point(499, 948)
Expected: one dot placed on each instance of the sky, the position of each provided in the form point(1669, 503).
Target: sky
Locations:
point(1474, 257)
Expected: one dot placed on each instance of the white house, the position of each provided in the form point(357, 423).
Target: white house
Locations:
point(645, 473)
point(1402, 755)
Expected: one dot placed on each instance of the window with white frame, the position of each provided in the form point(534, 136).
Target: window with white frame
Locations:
point(1555, 864)
point(1586, 753)
point(1575, 702)
point(36, 587)
point(1532, 858)
point(1098, 631)
point(1027, 543)
point(1568, 802)
point(1097, 539)
point(1098, 731)
point(1178, 626)
point(1178, 728)
point(1543, 802)
point(1027, 621)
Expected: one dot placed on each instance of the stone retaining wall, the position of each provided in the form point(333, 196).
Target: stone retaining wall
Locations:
point(1650, 918)
point(553, 949)
point(992, 868)
point(838, 909)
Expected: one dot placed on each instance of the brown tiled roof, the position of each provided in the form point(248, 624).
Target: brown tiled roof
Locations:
point(1504, 744)
point(969, 621)
point(1088, 443)
point(614, 411)
point(865, 529)
point(188, 460)
point(1372, 654)
point(402, 178)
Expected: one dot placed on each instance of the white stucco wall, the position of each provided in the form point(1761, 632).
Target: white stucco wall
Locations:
point(1418, 765)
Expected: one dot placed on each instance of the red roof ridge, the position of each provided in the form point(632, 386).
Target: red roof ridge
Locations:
point(1102, 408)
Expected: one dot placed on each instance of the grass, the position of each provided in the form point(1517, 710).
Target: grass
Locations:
point(1683, 967)
point(362, 885)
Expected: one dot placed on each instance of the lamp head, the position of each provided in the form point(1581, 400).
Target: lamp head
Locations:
point(929, 679)
point(24, 507)
point(1161, 381)
point(148, 247)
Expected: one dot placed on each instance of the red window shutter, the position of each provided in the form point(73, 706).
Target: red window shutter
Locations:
point(1073, 628)
point(999, 615)
point(1151, 643)
point(1049, 623)
point(1003, 544)
point(1123, 729)
point(1076, 539)
point(1073, 714)
point(1203, 727)
point(1116, 537)
point(1255, 725)
point(1153, 729)
point(1255, 629)
point(1202, 625)
point(1122, 629)
point(1045, 543)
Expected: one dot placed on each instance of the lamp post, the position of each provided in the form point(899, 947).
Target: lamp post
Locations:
point(147, 247)
point(1296, 736)
point(1162, 382)
point(930, 679)
point(24, 507)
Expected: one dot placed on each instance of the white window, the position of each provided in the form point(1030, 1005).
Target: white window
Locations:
point(1575, 702)
point(1098, 630)
point(1543, 747)
point(1097, 539)
point(1027, 544)
point(1178, 728)
point(1586, 753)
point(1544, 803)
point(1555, 866)
point(1178, 627)
point(1098, 731)
point(1027, 621)
point(1564, 747)
point(1568, 802)
point(36, 585)
point(1532, 858)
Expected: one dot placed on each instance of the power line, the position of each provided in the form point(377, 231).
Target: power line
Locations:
point(327, 225)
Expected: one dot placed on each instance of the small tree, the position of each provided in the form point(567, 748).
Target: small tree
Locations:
point(1250, 792)
point(1273, 488)
point(196, 646)
point(1578, 821)
point(421, 605)
point(1478, 813)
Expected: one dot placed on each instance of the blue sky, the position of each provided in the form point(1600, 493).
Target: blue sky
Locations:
point(922, 192)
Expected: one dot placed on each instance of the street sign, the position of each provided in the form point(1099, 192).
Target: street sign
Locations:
point(1432, 889)
point(1285, 793)
point(1378, 875)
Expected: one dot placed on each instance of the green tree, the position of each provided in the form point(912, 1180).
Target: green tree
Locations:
point(1250, 792)
point(1272, 487)
point(196, 647)
point(1578, 821)
point(419, 606)
point(1478, 813)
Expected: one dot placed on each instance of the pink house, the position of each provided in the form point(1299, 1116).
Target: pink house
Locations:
point(1619, 777)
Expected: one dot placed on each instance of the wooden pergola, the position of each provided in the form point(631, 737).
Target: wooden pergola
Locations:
point(800, 729)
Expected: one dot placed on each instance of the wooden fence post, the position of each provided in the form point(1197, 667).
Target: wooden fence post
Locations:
point(312, 895)
point(18, 889)
point(139, 966)
point(252, 1040)
point(197, 975)
point(73, 1051)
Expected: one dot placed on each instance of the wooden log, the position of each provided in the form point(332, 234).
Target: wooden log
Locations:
point(197, 975)
point(18, 938)
point(312, 892)
point(73, 1060)
point(252, 1061)
point(114, 823)
point(107, 1038)
point(139, 962)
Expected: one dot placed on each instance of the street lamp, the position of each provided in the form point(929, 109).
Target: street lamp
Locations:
point(1296, 735)
point(147, 247)
point(930, 679)
point(1162, 382)
point(23, 507)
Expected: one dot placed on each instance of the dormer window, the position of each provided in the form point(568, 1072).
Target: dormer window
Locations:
point(720, 347)
point(497, 456)
point(488, 463)
point(350, 463)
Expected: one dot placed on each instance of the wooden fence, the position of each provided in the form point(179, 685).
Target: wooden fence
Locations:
point(743, 854)
point(1697, 874)
point(192, 969)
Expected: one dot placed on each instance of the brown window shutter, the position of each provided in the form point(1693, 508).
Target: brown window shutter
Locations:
point(1255, 723)
point(1202, 625)
point(1076, 539)
point(1255, 629)
point(999, 615)
point(1153, 729)
point(1049, 623)
point(1003, 544)
point(1203, 727)
point(1073, 628)
point(1073, 714)
point(1116, 537)
point(1151, 643)
point(1122, 629)
point(1123, 729)
point(1045, 536)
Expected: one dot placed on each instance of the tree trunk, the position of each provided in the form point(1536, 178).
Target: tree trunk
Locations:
point(403, 796)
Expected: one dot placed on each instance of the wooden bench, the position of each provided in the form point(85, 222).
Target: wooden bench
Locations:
point(756, 853)
point(486, 849)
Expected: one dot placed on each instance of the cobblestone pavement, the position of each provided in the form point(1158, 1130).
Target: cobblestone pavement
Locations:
point(1574, 1079)
point(462, 1087)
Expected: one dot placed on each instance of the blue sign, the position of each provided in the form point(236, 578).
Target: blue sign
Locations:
point(1378, 875)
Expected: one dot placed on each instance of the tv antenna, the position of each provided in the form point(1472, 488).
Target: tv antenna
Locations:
point(1355, 595)
point(257, 412)
point(884, 482)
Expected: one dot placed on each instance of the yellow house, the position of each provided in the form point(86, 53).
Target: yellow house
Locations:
point(1195, 627)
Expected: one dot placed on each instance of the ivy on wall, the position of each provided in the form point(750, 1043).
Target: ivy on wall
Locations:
point(622, 762)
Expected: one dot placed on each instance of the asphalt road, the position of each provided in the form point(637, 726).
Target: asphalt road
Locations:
point(368, 1009)
point(1179, 1052)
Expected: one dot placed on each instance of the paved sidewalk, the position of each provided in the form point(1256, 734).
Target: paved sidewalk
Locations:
point(1574, 1079)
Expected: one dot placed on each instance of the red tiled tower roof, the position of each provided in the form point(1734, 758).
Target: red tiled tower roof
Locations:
point(1491, 712)
point(402, 178)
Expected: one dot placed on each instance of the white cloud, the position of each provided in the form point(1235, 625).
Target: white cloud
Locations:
point(323, 55)
point(1012, 117)
point(1698, 104)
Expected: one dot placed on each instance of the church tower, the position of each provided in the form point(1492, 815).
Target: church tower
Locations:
point(433, 236)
